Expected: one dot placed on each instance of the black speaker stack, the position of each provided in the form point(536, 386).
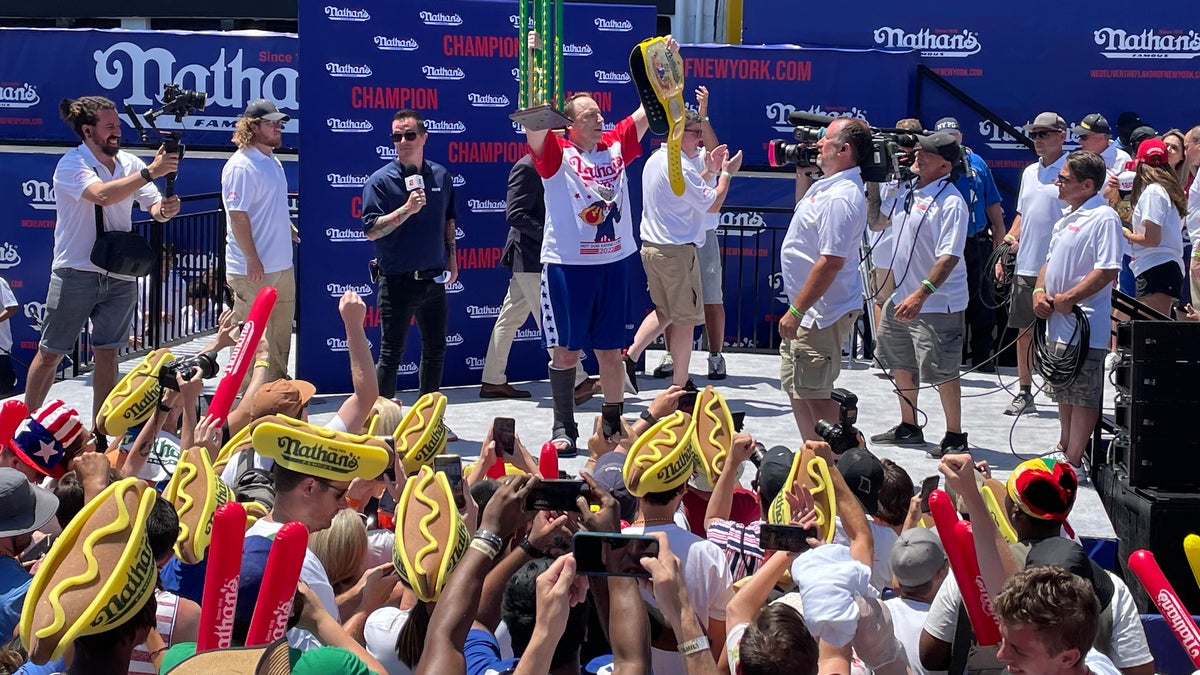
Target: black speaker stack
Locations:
point(1150, 484)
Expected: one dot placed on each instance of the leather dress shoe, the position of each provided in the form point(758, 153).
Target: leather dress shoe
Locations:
point(505, 390)
point(585, 390)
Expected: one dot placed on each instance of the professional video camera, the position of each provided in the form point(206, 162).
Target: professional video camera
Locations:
point(180, 103)
point(204, 362)
point(888, 159)
point(843, 435)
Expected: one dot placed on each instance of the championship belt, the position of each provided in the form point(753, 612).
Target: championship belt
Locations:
point(658, 74)
point(813, 472)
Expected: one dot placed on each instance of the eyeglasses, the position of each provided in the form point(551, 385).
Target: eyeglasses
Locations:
point(338, 493)
point(693, 131)
point(1062, 180)
point(1084, 137)
point(1038, 135)
point(409, 136)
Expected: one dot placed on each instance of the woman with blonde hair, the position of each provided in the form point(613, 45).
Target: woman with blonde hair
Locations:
point(342, 550)
point(1156, 240)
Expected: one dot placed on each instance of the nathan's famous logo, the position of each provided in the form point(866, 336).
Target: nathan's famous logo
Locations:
point(316, 454)
point(340, 235)
point(337, 344)
point(395, 44)
point(458, 233)
point(136, 76)
point(346, 180)
point(932, 43)
point(577, 49)
point(515, 22)
point(612, 77)
point(741, 224)
point(998, 139)
point(778, 114)
point(487, 205)
point(1175, 615)
point(348, 70)
point(474, 363)
point(488, 100)
point(458, 180)
point(9, 256)
point(456, 287)
point(442, 73)
point(527, 335)
point(338, 290)
point(613, 25)
point(341, 126)
point(36, 313)
point(440, 19)
point(40, 193)
point(454, 339)
point(386, 152)
point(483, 312)
point(444, 127)
point(345, 14)
point(680, 465)
point(137, 580)
point(1118, 43)
point(23, 95)
point(408, 368)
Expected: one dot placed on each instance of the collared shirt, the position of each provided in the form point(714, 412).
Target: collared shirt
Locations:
point(829, 220)
point(1114, 158)
point(1193, 216)
point(420, 242)
point(1155, 205)
point(1040, 208)
point(1088, 238)
point(934, 224)
point(978, 188)
point(75, 229)
point(253, 182)
point(668, 218)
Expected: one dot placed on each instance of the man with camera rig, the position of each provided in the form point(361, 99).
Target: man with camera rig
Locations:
point(921, 335)
point(95, 180)
point(825, 293)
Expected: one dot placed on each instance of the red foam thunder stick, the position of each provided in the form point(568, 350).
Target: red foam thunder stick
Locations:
point(12, 413)
point(221, 577)
point(548, 462)
point(960, 549)
point(279, 581)
point(243, 353)
point(1148, 572)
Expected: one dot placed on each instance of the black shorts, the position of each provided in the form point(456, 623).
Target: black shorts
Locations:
point(1165, 278)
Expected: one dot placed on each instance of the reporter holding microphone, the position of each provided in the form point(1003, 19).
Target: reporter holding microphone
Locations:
point(408, 212)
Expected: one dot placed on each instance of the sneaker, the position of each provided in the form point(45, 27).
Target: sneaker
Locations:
point(666, 367)
point(716, 366)
point(1110, 361)
point(986, 365)
point(901, 434)
point(1022, 404)
point(631, 386)
point(952, 444)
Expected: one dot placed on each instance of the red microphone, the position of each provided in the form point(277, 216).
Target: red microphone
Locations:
point(548, 461)
point(221, 578)
point(1146, 568)
point(243, 353)
point(960, 549)
point(280, 578)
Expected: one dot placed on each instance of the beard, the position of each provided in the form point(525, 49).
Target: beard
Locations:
point(110, 148)
point(271, 140)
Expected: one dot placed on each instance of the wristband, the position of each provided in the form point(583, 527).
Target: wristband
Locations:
point(490, 537)
point(1196, 254)
point(1037, 290)
point(648, 418)
point(531, 550)
point(146, 175)
point(929, 284)
point(704, 119)
point(262, 364)
point(485, 548)
point(726, 174)
point(1010, 239)
point(162, 407)
point(693, 646)
point(795, 312)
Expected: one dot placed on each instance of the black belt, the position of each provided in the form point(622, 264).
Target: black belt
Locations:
point(982, 234)
point(418, 275)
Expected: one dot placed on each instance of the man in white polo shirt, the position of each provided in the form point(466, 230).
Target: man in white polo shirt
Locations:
point(672, 227)
point(1095, 135)
point(258, 247)
point(1038, 208)
point(825, 292)
point(1191, 155)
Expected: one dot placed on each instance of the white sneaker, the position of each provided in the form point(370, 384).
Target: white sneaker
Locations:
point(666, 366)
point(1110, 361)
point(716, 367)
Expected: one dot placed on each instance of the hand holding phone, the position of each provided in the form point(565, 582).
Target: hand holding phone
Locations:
point(613, 555)
point(504, 430)
point(451, 466)
point(557, 495)
point(610, 422)
point(786, 537)
point(927, 487)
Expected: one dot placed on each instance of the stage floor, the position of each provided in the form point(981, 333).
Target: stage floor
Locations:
point(752, 386)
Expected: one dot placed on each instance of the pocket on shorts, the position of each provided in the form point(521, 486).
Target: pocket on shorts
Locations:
point(54, 292)
point(811, 370)
point(947, 350)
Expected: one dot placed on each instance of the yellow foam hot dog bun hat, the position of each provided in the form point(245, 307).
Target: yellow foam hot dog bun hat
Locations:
point(661, 459)
point(237, 443)
point(97, 575)
point(712, 433)
point(135, 397)
point(814, 473)
point(320, 452)
point(195, 490)
point(422, 432)
point(431, 536)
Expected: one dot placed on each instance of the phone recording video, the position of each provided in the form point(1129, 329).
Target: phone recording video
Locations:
point(504, 430)
point(610, 422)
point(786, 537)
point(556, 495)
point(451, 465)
point(599, 554)
point(927, 487)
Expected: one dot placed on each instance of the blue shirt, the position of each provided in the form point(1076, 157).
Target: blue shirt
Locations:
point(979, 191)
point(482, 654)
point(14, 582)
point(420, 242)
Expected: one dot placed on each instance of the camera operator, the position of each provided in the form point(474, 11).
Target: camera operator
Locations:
point(921, 336)
point(95, 174)
point(825, 293)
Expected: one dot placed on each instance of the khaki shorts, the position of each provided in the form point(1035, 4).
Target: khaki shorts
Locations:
point(929, 345)
point(1088, 388)
point(1020, 305)
point(883, 285)
point(812, 362)
point(673, 278)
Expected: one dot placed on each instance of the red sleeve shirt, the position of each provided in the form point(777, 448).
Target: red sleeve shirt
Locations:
point(624, 133)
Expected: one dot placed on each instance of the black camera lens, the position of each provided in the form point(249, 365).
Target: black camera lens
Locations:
point(756, 456)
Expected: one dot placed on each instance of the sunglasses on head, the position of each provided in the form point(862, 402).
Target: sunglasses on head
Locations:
point(398, 136)
point(1038, 135)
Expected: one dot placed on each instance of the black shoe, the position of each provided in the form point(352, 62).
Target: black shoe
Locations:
point(952, 444)
point(631, 384)
point(984, 366)
point(901, 434)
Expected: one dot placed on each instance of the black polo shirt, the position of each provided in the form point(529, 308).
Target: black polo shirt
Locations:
point(420, 242)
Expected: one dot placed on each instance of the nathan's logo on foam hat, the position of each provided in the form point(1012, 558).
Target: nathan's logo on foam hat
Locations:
point(456, 287)
point(346, 180)
point(440, 19)
point(454, 339)
point(487, 205)
point(612, 77)
point(340, 126)
point(483, 312)
point(577, 50)
point(40, 193)
point(345, 14)
point(458, 180)
point(473, 363)
point(445, 127)
point(442, 73)
point(9, 256)
point(488, 100)
point(939, 43)
point(22, 95)
point(527, 335)
point(337, 344)
point(320, 452)
point(338, 290)
point(348, 70)
point(1118, 43)
point(613, 25)
point(386, 152)
point(393, 44)
point(339, 235)
point(742, 224)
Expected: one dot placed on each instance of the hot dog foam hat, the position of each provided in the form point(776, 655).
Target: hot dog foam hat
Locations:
point(272, 659)
point(431, 536)
point(135, 397)
point(195, 490)
point(97, 575)
point(422, 432)
point(237, 443)
point(813, 472)
point(319, 452)
point(712, 433)
point(662, 458)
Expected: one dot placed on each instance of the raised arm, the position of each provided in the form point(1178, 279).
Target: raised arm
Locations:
point(357, 407)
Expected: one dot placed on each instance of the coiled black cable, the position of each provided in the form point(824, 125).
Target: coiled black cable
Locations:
point(994, 292)
point(1060, 366)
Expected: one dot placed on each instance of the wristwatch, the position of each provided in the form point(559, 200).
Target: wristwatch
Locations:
point(650, 419)
point(146, 175)
point(693, 646)
point(531, 550)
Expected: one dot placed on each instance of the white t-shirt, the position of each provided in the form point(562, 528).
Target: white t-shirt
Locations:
point(1193, 216)
point(668, 218)
point(7, 299)
point(254, 183)
point(1088, 238)
point(1099, 664)
point(1155, 205)
point(380, 633)
point(75, 229)
point(829, 220)
point(908, 617)
point(1040, 208)
point(934, 225)
point(1114, 158)
point(588, 219)
point(706, 577)
point(312, 572)
point(881, 563)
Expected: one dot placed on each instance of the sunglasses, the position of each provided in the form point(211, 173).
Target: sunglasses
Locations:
point(338, 493)
point(409, 136)
point(1062, 180)
point(693, 131)
point(1038, 135)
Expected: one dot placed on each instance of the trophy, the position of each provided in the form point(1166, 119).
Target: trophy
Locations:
point(658, 73)
point(540, 72)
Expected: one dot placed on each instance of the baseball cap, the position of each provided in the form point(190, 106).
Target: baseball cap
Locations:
point(42, 439)
point(917, 557)
point(947, 125)
point(24, 507)
point(773, 472)
point(1129, 120)
point(1140, 134)
point(863, 473)
point(1069, 555)
point(1152, 151)
point(264, 109)
point(1047, 120)
point(608, 474)
point(1043, 488)
point(281, 397)
point(1092, 124)
point(942, 145)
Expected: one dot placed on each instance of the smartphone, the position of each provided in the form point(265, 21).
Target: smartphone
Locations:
point(610, 422)
point(687, 402)
point(739, 420)
point(927, 487)
point(451, 465)
point(504, 430)
point(36, 551)
point(599, 554)
point(785, 537)
point(556, 495)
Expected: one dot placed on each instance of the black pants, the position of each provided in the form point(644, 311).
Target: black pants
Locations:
point(8, 378)
point(400, 299)
point(981, 321)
